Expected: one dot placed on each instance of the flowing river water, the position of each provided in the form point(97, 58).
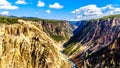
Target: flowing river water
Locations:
point(74, 65)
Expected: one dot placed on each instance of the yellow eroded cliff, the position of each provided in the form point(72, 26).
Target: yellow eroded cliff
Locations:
point(26, 45)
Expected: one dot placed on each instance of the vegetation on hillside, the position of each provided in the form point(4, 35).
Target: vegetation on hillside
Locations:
point(12, 20)
point(69, 48)
point(52, 21)
point(111, 16)
point(105, 17)
point(57, 37)
point(30, 19)
point(7, 20)
point(39, 19)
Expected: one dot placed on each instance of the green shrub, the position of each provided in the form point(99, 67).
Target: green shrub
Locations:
point(68, 49)
point(52, 21)
point(8, 20)
point(57, 37)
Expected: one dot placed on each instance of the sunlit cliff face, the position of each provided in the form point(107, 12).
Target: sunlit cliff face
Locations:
point(26, 45)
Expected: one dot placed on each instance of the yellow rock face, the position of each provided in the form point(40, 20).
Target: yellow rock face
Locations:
point(26, 45)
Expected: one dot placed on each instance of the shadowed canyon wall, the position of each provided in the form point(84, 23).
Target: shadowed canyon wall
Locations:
point(97, 44)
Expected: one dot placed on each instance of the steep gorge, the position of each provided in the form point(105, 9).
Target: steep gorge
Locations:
point(59, 31)
point(37, 44)
point(27, 45)
point(97, 44)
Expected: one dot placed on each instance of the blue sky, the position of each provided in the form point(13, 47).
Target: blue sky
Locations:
point(60, 9)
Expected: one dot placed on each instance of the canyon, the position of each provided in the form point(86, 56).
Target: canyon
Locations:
point(96, 44)
point(44, 43)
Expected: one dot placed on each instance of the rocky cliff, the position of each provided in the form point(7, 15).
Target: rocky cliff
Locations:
point(57, 30)
point(97, 45)
point(27, 45)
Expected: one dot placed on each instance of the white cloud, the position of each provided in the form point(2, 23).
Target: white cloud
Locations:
point(110, 6)
point(20, 2)
point(4, 4)
point(110, 9)
point(88, 10)
point(48, 11)
point(4, 13)
point(41, 4)
point(78, 16)
point(92, 11)
point(56, 6)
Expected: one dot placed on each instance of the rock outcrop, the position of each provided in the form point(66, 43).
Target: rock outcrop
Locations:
point(97, 45)
point(26, 45)
point(59, 31)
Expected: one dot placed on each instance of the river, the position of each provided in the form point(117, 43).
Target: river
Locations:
point(74, 65)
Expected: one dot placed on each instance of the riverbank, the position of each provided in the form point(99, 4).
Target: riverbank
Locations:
point(74, 65)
